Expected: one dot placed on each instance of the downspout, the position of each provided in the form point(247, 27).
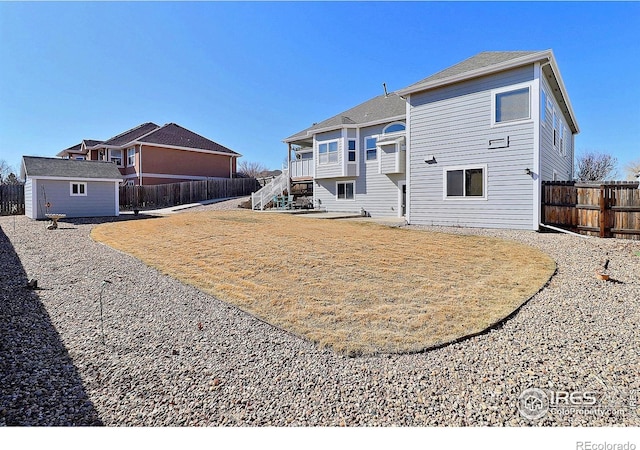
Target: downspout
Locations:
point(140, 166)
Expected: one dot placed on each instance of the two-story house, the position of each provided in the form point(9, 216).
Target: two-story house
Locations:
point(467, 146)
point(152, 154)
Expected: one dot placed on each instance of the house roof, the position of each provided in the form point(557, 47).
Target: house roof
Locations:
point(37, 166)
point(470, 66)
point(487, 63)
point(130, 135)
point(174, 135)
point(78, 147)
point(377, 109)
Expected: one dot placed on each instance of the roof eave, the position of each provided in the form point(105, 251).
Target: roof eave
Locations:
point(310, 133)
point(193, 149)
point(509, 64)
point(563, 89)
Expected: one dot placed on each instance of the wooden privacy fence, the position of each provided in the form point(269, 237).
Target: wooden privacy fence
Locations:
point(609, 209)
point(166, 195)
point(11, 199)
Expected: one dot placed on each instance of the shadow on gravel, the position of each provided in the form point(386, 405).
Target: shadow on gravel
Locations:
point(39, 385)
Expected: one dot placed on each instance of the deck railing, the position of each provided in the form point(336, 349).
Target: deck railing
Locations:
point(302, 168)
point(278, 185)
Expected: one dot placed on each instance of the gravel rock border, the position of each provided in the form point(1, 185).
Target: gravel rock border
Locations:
point(175, 356)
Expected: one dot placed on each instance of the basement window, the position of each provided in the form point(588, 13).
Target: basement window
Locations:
point(78, 189)
point(465, 182)
point(346, 190)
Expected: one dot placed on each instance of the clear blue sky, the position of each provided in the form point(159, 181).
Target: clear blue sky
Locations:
point(247, 75)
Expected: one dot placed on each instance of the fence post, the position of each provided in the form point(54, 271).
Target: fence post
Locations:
point(603, 211)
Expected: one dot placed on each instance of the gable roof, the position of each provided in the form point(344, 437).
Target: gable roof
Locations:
point(478, 62)
point(78, 147)
point(487, 63)
point(174, 135)
point(375, 110)
point(37, 166)
point(130, 135)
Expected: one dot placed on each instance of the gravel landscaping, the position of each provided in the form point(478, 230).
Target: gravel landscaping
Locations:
point(176, 357)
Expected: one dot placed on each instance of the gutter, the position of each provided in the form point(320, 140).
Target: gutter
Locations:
point(562, 230)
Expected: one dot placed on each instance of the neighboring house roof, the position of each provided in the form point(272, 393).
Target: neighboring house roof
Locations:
point(129, 135)
point(174, 135)
point(36, 166)
point(78, 147)
point(375, 110)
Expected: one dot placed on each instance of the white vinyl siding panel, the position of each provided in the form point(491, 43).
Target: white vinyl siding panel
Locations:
point(454, 124)
point(28, 198)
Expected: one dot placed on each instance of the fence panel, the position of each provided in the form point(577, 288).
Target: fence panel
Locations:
point(167, 195)
point(11, 199)
point(610, 209)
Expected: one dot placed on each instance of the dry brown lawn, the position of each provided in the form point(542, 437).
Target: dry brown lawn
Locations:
point(357, 287)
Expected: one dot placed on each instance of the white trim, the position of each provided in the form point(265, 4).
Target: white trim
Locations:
point(484, 196)
point(535, 175)
point(408, 158)
point(345, 191)
point(329, 163)
point(510, 88)
point(109, 156)
point(134, 156)
point(172, 176)
point(394, 123)
point(78, 183)
point(171, 147)
point(38, 177)
point(400, 184)
point(510, 64)
point(563, 90)
point(365, 148)
point(117, 204)
point(313, 132)
point(188, 149)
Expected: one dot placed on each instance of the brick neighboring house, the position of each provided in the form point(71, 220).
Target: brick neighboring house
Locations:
point(152, 154)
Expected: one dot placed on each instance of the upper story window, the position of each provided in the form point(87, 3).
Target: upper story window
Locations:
point(371, 151)
point(131, 156)
point(543, 106)
point(351, 150)
point(328, 152)
point(115, 156)
point(392, 128)
point(511, 105)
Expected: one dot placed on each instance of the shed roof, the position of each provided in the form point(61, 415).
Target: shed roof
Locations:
point(37, 166)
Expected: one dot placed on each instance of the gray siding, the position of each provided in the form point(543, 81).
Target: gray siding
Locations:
point(453, 123)
point(100, 200)
point(28, 198)
point(551, 158)
point(334, 169)
point(376, 193)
